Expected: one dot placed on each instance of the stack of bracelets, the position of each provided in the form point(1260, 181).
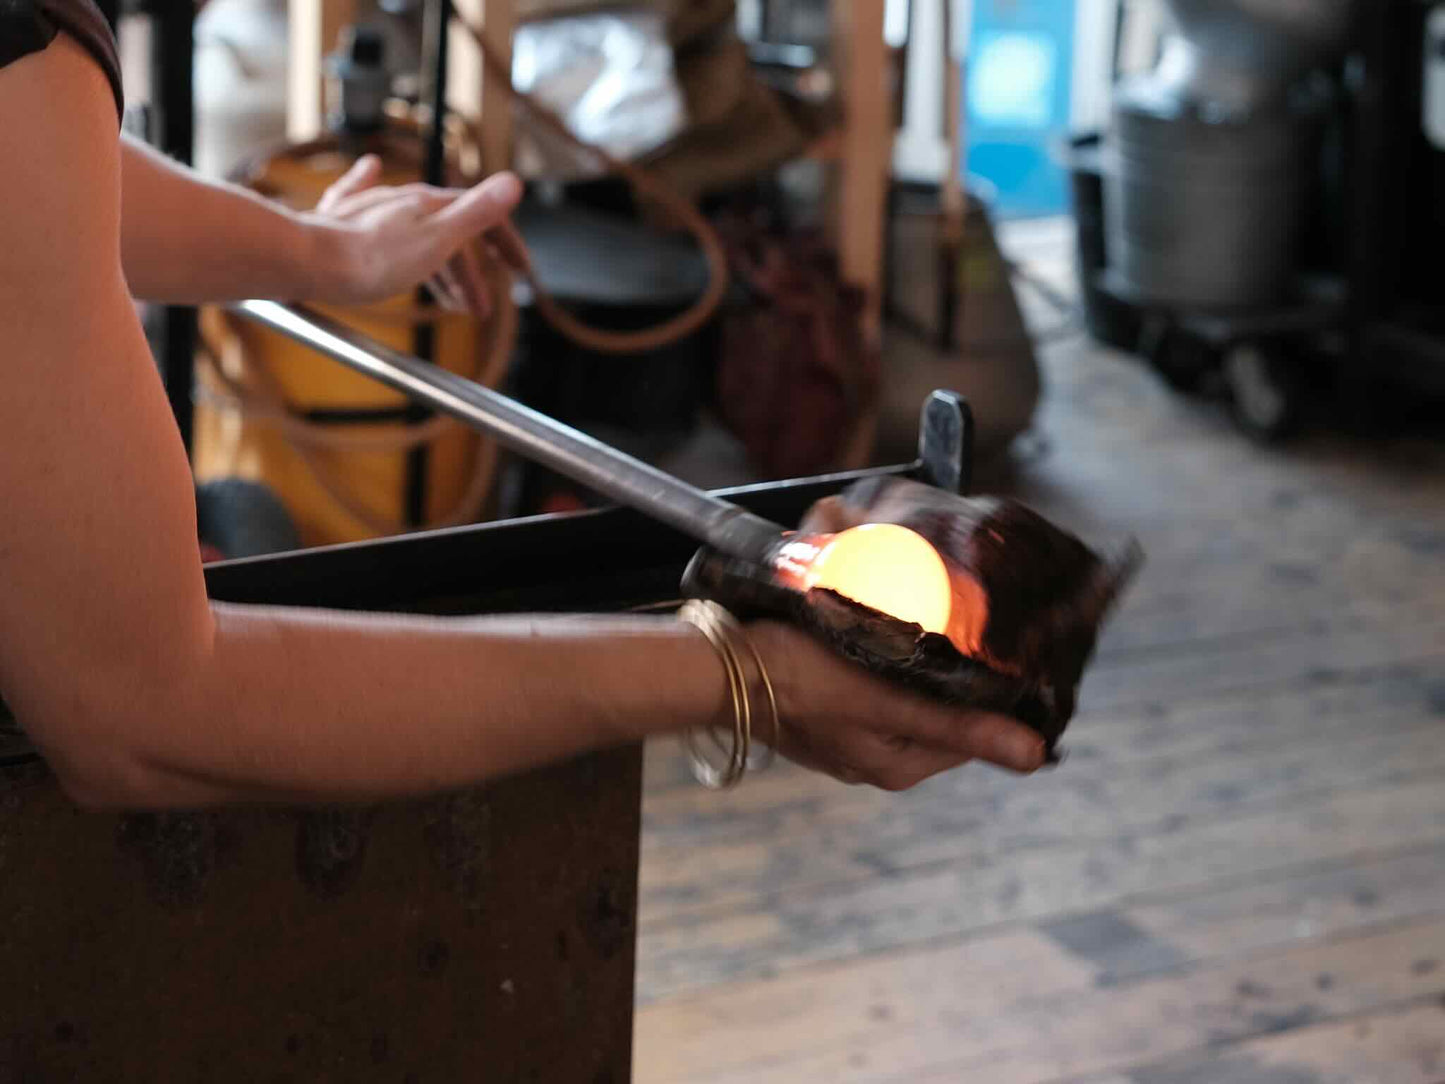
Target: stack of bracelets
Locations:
point(733, 647)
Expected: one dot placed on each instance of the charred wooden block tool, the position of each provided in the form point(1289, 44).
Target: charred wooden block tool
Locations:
point(1027, 599)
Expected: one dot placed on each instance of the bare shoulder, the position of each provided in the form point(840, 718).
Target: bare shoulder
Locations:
point(60, 145)
point(63, 76)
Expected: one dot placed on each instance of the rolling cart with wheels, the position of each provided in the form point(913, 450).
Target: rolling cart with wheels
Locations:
point(1253, 357)
point(1378, 319)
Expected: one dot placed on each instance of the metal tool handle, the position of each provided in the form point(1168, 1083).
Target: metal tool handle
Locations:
point(598, 466)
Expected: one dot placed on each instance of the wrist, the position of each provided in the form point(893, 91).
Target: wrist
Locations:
point(638, 677)
point(693, 685)
point(329, 268)
point(751, 697)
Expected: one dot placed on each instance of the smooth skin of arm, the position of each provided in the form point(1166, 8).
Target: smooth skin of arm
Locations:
point(186, 239)
point(142, 693)
point(110, 653)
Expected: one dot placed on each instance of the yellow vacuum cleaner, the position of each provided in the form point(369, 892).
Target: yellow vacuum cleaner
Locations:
point(349, 459)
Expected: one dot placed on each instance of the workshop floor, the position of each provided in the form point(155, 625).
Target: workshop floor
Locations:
point(1238, 877)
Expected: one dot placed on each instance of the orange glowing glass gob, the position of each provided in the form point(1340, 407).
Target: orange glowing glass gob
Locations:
point(880, 565)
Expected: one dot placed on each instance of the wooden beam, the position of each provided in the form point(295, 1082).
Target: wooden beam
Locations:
point(861, 204)
point(468, 88)
point(315, 27)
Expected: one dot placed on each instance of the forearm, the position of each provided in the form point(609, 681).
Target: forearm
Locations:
point(306, 706)
point(185, 239)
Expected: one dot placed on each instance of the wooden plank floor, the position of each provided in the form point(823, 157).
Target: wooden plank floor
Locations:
point(1237, 877)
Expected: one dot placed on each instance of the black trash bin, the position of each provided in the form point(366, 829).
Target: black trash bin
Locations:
point(1110, 321)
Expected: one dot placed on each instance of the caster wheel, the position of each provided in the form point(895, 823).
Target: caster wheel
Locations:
point(238, 518)
point(1181, 359)
point(1264, 391)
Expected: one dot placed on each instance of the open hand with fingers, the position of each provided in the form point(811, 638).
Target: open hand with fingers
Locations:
point(376, 241)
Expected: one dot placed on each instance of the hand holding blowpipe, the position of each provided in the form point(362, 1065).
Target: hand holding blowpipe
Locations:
point(979, 602)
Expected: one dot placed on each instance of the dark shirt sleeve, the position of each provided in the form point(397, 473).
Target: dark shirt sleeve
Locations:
point(29, 26)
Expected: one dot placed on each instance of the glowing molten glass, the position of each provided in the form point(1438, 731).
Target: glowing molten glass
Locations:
point(887, 568)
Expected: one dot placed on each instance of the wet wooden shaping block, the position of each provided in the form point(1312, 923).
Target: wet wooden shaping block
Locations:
point(1029, 600)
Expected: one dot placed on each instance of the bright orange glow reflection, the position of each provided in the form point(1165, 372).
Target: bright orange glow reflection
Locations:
point(882, 566)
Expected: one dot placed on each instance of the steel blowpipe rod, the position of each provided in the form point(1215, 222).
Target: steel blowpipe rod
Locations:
point(598, 466)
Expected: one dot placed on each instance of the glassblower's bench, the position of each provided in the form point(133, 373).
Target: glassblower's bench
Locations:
point(488, 934)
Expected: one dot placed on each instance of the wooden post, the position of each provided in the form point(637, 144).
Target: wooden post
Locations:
point(468, 89)
point(954, 198)
point(315, 26)
point(860, 207)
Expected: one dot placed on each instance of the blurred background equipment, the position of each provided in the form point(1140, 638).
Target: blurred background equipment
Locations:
point(1213, 170)
point(788, 107)
point(608, 75)
point(1260, 215)
point(1228, 165)
point(240, 81)
point(781, 105)
point(348, 458)
point(1229, 222)
point(1214, 155)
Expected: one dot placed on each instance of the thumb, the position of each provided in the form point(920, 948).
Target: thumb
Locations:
point(364, 173)
point(480, 208)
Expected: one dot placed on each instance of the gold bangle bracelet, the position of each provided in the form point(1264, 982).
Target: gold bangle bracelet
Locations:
point(724, 633)
point(712, 621)
point(776, 731)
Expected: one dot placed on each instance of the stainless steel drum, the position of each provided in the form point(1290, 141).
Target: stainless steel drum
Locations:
point(1211, 156)
point(1201, 211)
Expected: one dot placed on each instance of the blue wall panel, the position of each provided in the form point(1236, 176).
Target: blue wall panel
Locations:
point(1017, 91)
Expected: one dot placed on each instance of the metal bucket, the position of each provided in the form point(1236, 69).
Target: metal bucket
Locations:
point(1206, 211)
point(1212, 153)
